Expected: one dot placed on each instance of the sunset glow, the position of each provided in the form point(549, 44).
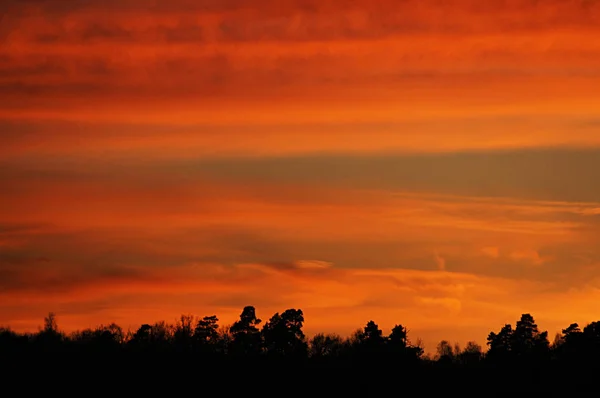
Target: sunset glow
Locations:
point(429, 163)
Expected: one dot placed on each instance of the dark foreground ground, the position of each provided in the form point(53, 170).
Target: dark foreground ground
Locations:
point(171, 375)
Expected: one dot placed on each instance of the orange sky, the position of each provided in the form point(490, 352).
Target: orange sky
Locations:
point(427, 163)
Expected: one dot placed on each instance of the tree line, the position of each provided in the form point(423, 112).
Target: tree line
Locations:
point(276, 358)
point(282, 337)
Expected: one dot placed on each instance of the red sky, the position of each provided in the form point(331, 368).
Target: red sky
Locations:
point(427, 163)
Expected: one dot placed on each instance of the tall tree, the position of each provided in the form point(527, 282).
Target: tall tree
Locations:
point(372, 334)
point(184, 332)
point(50, 325)
point(283, 334)
point(591, 334)
point(370, 340)
point(527, 340)
point(573, 332)
point(398, 337)
point(207, 330)
point(500, 344)
point(49, 337)
point(142, 337)
point(245, 333)
point(399, 346)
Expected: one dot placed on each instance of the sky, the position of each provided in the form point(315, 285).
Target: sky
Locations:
point(427, 163)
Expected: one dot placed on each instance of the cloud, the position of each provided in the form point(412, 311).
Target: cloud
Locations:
point(309, 20)
point(136, 275)
point(510, 173)
point(164, 56)
point(94, 226)
point(185, 139)
point(90, 32)
point(313, 264)
point(531, 256)
point(21, 228)
point(198, 156)
point(521, 174)
point(126, 195)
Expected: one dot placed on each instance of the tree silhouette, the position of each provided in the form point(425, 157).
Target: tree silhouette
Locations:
point(398, 337)
point(49, 338)
point(501, 343)
point(183, 335)
point(524, 343)
point(103, 339)
point(142, 337)
point(326, 346)
point(245, 333)
point(471, 354)
point(445, 352)
point(527, 340)
point(283, 335)
point(591, 334)
point(50, 325)
point(372, 334)
point(224, 339)
point(369, 341)
point(572, 333)
point(113, 332)
point(399, 346)
point(207, 331)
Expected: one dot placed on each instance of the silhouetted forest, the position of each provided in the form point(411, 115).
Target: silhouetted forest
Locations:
point(276, 358)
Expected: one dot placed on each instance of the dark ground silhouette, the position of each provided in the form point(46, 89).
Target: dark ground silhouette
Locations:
point(274, 358)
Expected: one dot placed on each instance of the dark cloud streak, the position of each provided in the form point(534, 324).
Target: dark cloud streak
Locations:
point(243, 20)
point(541, 174)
